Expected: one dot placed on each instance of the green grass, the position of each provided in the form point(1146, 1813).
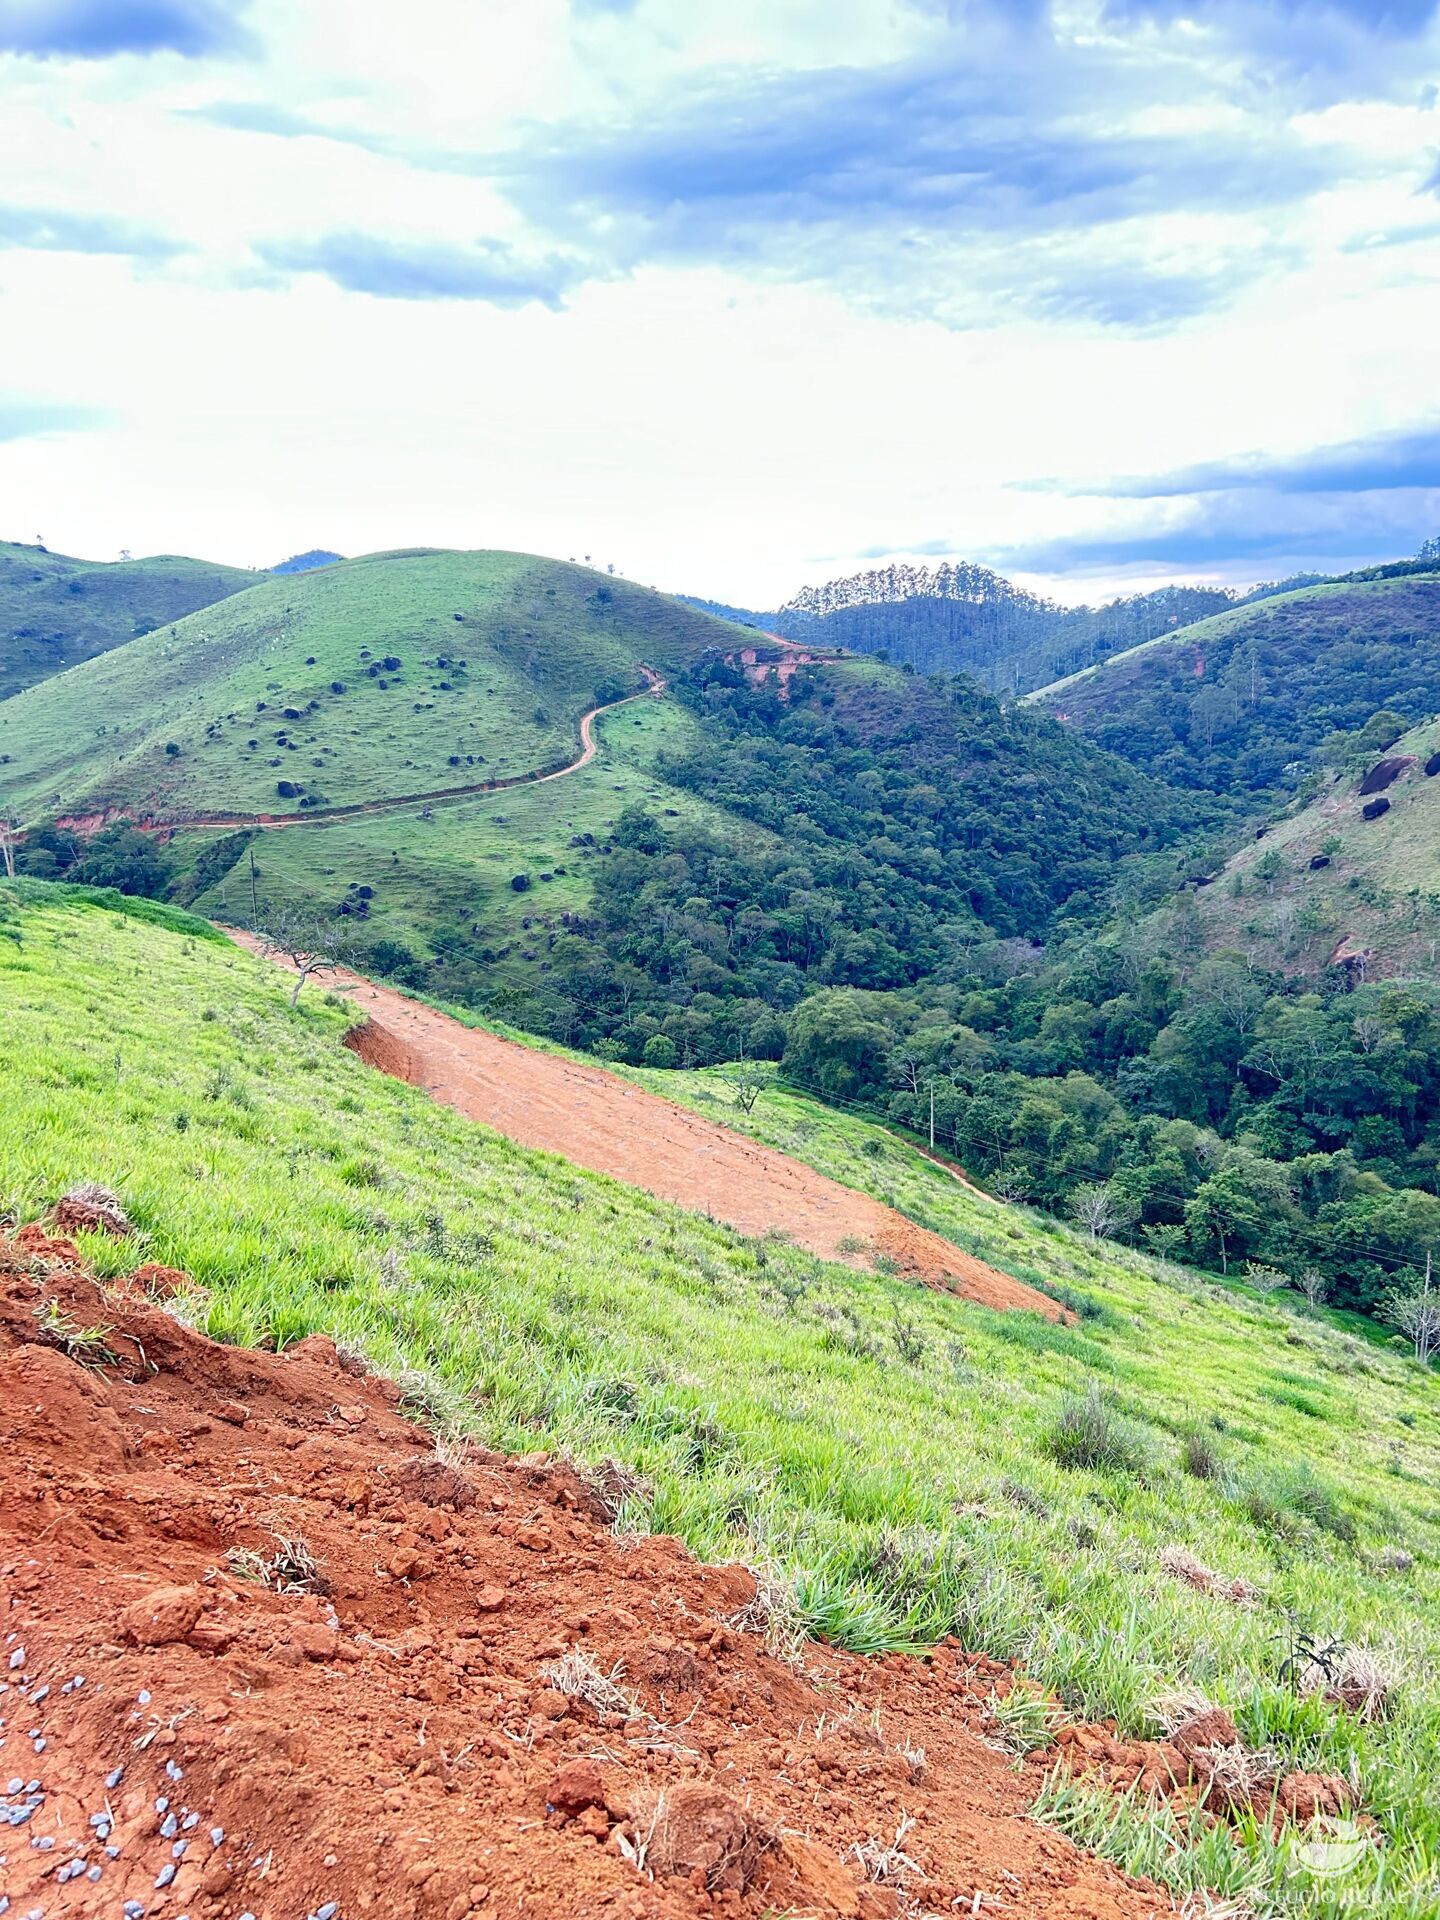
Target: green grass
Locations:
point(1219, 625)
point(454, 869)
point(539, 642)
point(1381, 889)
point(56, 611)
point(767, 1395)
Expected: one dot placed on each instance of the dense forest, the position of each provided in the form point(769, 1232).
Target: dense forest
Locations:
point(930, 902)
point(884, 946)
point(1245, 703)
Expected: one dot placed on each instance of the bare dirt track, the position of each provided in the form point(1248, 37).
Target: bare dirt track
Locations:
point(408, 1733)
point(89, 823)
point(607, 1124)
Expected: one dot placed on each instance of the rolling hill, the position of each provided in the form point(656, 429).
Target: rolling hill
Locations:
point(1328, 886)
point(394, 674)
point(1240, 702)
point(56, 612)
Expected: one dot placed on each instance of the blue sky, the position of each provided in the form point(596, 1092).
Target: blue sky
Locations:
point(1103, 292)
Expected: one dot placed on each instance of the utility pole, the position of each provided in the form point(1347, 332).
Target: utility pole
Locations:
point(7, 847)
point(932, 1116)
point(254, 904)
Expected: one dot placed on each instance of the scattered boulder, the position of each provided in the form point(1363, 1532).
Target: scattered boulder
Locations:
point(1373, 809)
point(164, 1616)
point(1320, 860)
point(575, 1786)
point(1432, 766)
point(1386, 772)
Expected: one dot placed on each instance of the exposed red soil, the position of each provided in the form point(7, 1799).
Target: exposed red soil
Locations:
point(1203, 1767)
point(612, 1126)
point(391, 1740)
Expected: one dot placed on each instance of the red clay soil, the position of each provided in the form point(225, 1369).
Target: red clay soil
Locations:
point(389, 1738)
point(612, 1126)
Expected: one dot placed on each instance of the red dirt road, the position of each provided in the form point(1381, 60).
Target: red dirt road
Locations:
point(391, 1737)
point(607, 1124)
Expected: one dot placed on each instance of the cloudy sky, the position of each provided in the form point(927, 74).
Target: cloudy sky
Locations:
point(733, 293)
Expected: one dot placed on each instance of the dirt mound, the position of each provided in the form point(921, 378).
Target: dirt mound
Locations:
point(265, 1653)
point(612, 1126)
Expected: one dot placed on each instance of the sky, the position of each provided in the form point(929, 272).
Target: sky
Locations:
point(735, 295)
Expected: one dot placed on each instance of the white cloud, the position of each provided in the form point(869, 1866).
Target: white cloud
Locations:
point(726, 420)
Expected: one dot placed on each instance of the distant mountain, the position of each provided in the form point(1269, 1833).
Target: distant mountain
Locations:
point(964, 618)
point(737, 616)
point(56, 611)
point(307, 562)
point(1243, 701)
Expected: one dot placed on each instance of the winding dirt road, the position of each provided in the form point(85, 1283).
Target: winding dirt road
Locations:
point(437, 796)
point(612, 1126)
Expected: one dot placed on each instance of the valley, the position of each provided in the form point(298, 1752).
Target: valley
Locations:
point(600, 1133)
point(720, 960)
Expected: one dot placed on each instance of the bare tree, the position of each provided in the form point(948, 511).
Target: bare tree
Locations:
point(7, 847)
point(746, 1082)
point(311, 945)
point(1370, 1032)
point(1266, 1279)
point(1415, 1310)
point(1101, 1209)
point(1314, 1285)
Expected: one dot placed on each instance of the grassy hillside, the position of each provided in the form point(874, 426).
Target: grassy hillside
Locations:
point(1376, 890)
point(441, 879)
point(56, 611)
point(1230, 702)
point(892, 1450)
point(393, 674)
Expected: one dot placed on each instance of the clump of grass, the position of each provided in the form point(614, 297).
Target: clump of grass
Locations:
point(1090, 1433)
point(1023, 1720)
point(775, 1613)
point(885, 1862)
point(576, 1675)
point(1181, 1564)
point(289, 1568)
point(1287, 1499)
point(89, 1346)
point(1200, 1455)
point(1358, 1679)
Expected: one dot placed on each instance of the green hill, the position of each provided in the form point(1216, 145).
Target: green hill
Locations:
point(394, 674)
point(56, 612)
point(1234, 702)
point(896, 1454)
point(1327, 886)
